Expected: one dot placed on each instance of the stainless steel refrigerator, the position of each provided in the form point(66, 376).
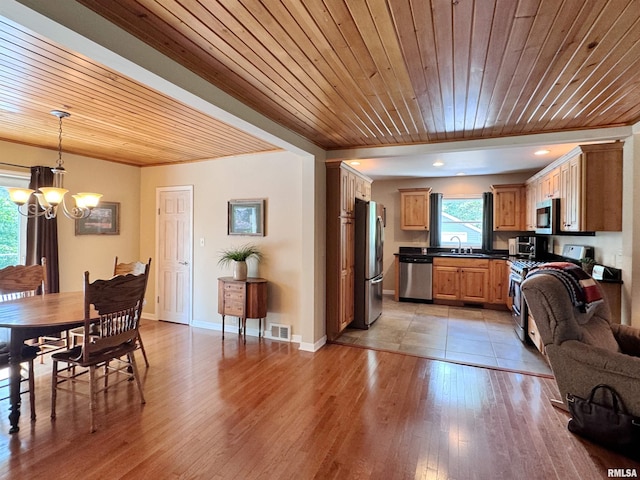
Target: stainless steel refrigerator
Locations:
point(368, 244)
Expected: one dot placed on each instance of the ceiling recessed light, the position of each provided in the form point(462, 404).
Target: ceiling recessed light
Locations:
point(354, 163)
point(544, 151)
point(438, 163)
point(459, 174)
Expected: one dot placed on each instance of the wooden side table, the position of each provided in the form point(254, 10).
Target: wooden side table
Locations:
point(243, 299)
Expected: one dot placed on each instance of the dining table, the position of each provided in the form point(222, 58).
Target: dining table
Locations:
point(34, 317)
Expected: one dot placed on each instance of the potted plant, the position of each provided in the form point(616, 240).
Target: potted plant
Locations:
point(239, 256)
point(587, 264)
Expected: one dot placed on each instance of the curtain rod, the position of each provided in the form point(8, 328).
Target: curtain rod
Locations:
point(13, 165)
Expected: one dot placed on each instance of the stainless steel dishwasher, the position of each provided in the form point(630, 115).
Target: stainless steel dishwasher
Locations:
point(416, 279)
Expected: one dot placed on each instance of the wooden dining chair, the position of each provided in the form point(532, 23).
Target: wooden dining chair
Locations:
point(109, 336)
point(135, 268)
point(124, 268)
point(19, 281)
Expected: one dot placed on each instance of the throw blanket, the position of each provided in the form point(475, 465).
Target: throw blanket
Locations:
point(583, 289)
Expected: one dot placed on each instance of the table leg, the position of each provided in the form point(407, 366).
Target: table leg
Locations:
point(223, 327)
point(15, 352)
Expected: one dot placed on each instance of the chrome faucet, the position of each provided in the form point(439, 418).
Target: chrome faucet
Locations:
point(459, 243)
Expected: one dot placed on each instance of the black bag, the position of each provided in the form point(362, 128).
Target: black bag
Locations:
point(607, 425)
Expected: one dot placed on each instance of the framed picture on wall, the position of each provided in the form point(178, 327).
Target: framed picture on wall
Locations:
point(104, 220)
point(246, 217)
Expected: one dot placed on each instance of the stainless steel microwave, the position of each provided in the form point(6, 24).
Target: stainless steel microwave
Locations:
point(548, 216)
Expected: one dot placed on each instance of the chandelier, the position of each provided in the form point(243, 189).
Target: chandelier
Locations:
point(49, 199)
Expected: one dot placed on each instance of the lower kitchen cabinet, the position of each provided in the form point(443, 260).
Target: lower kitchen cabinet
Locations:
point(446, 282)
point(498, 281)
point(464, 279)
point(474, 283)
point(534, 335)
point(470, 280)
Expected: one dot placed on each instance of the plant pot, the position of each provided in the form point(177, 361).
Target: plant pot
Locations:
point(239, 270)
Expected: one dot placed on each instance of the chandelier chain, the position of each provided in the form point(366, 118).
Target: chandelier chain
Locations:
point(60, 161)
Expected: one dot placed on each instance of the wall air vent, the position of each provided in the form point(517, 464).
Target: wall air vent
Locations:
point(281, 332)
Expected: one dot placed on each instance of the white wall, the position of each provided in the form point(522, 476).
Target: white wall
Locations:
point(118, 183)
point(277, 177)
point(630, 258)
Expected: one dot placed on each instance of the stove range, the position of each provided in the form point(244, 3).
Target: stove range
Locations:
point(521, 267)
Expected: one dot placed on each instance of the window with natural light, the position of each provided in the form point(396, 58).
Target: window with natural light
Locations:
point(461, 218)
point(13, 226)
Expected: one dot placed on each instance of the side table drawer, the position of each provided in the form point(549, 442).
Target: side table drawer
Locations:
point(234, 288)
point(234, 304)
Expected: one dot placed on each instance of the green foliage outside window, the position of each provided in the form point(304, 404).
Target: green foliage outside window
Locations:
point(466, 210)
point(9, 231)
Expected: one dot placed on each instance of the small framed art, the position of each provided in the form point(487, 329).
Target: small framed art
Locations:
point(246, 217)
point(104, 220)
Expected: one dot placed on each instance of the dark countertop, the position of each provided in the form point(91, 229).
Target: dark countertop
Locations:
point(417, 252)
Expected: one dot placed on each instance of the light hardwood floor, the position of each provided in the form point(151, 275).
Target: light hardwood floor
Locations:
point(267, 410)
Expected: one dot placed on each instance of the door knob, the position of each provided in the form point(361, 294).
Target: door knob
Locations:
point(183, 263)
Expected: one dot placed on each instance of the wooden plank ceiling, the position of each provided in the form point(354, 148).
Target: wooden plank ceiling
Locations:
point(112, 117)
point(355, 73)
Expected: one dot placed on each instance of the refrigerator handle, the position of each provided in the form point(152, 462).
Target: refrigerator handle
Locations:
point(377, 280)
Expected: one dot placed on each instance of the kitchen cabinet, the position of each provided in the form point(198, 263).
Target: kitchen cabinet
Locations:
point(347, 193)
point(344, 185)
point(509, 207)
point(414, 208)
point(446, 281)
point(363, 188)
point(531, 198)
point(592, 193)
point(570, 195)
point(589, 182)
point(549, 185)
point(474, 280)
point(347, 267)
point(507, 279)
point(463, 279)
point(498, 281)
point(534, 334)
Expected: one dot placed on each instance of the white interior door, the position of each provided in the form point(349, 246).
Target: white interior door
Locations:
point(174, 253)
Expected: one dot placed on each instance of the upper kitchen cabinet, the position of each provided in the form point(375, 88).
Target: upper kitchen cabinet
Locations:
point(590, 188)
point(344, 185)
point(531, 198)
point(414, 208)
point(592, 193)
point(509, 207)
point(549, 185)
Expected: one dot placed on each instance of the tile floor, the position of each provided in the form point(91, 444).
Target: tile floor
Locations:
point(468, 335)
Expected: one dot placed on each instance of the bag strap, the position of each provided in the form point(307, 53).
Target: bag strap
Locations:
point(618, 405)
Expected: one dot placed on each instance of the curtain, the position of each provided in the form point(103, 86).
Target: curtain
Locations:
point(487, 221)
point(435, 228)
point(42, 234)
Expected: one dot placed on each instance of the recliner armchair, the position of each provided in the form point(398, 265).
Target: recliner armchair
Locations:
point(584, 349)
